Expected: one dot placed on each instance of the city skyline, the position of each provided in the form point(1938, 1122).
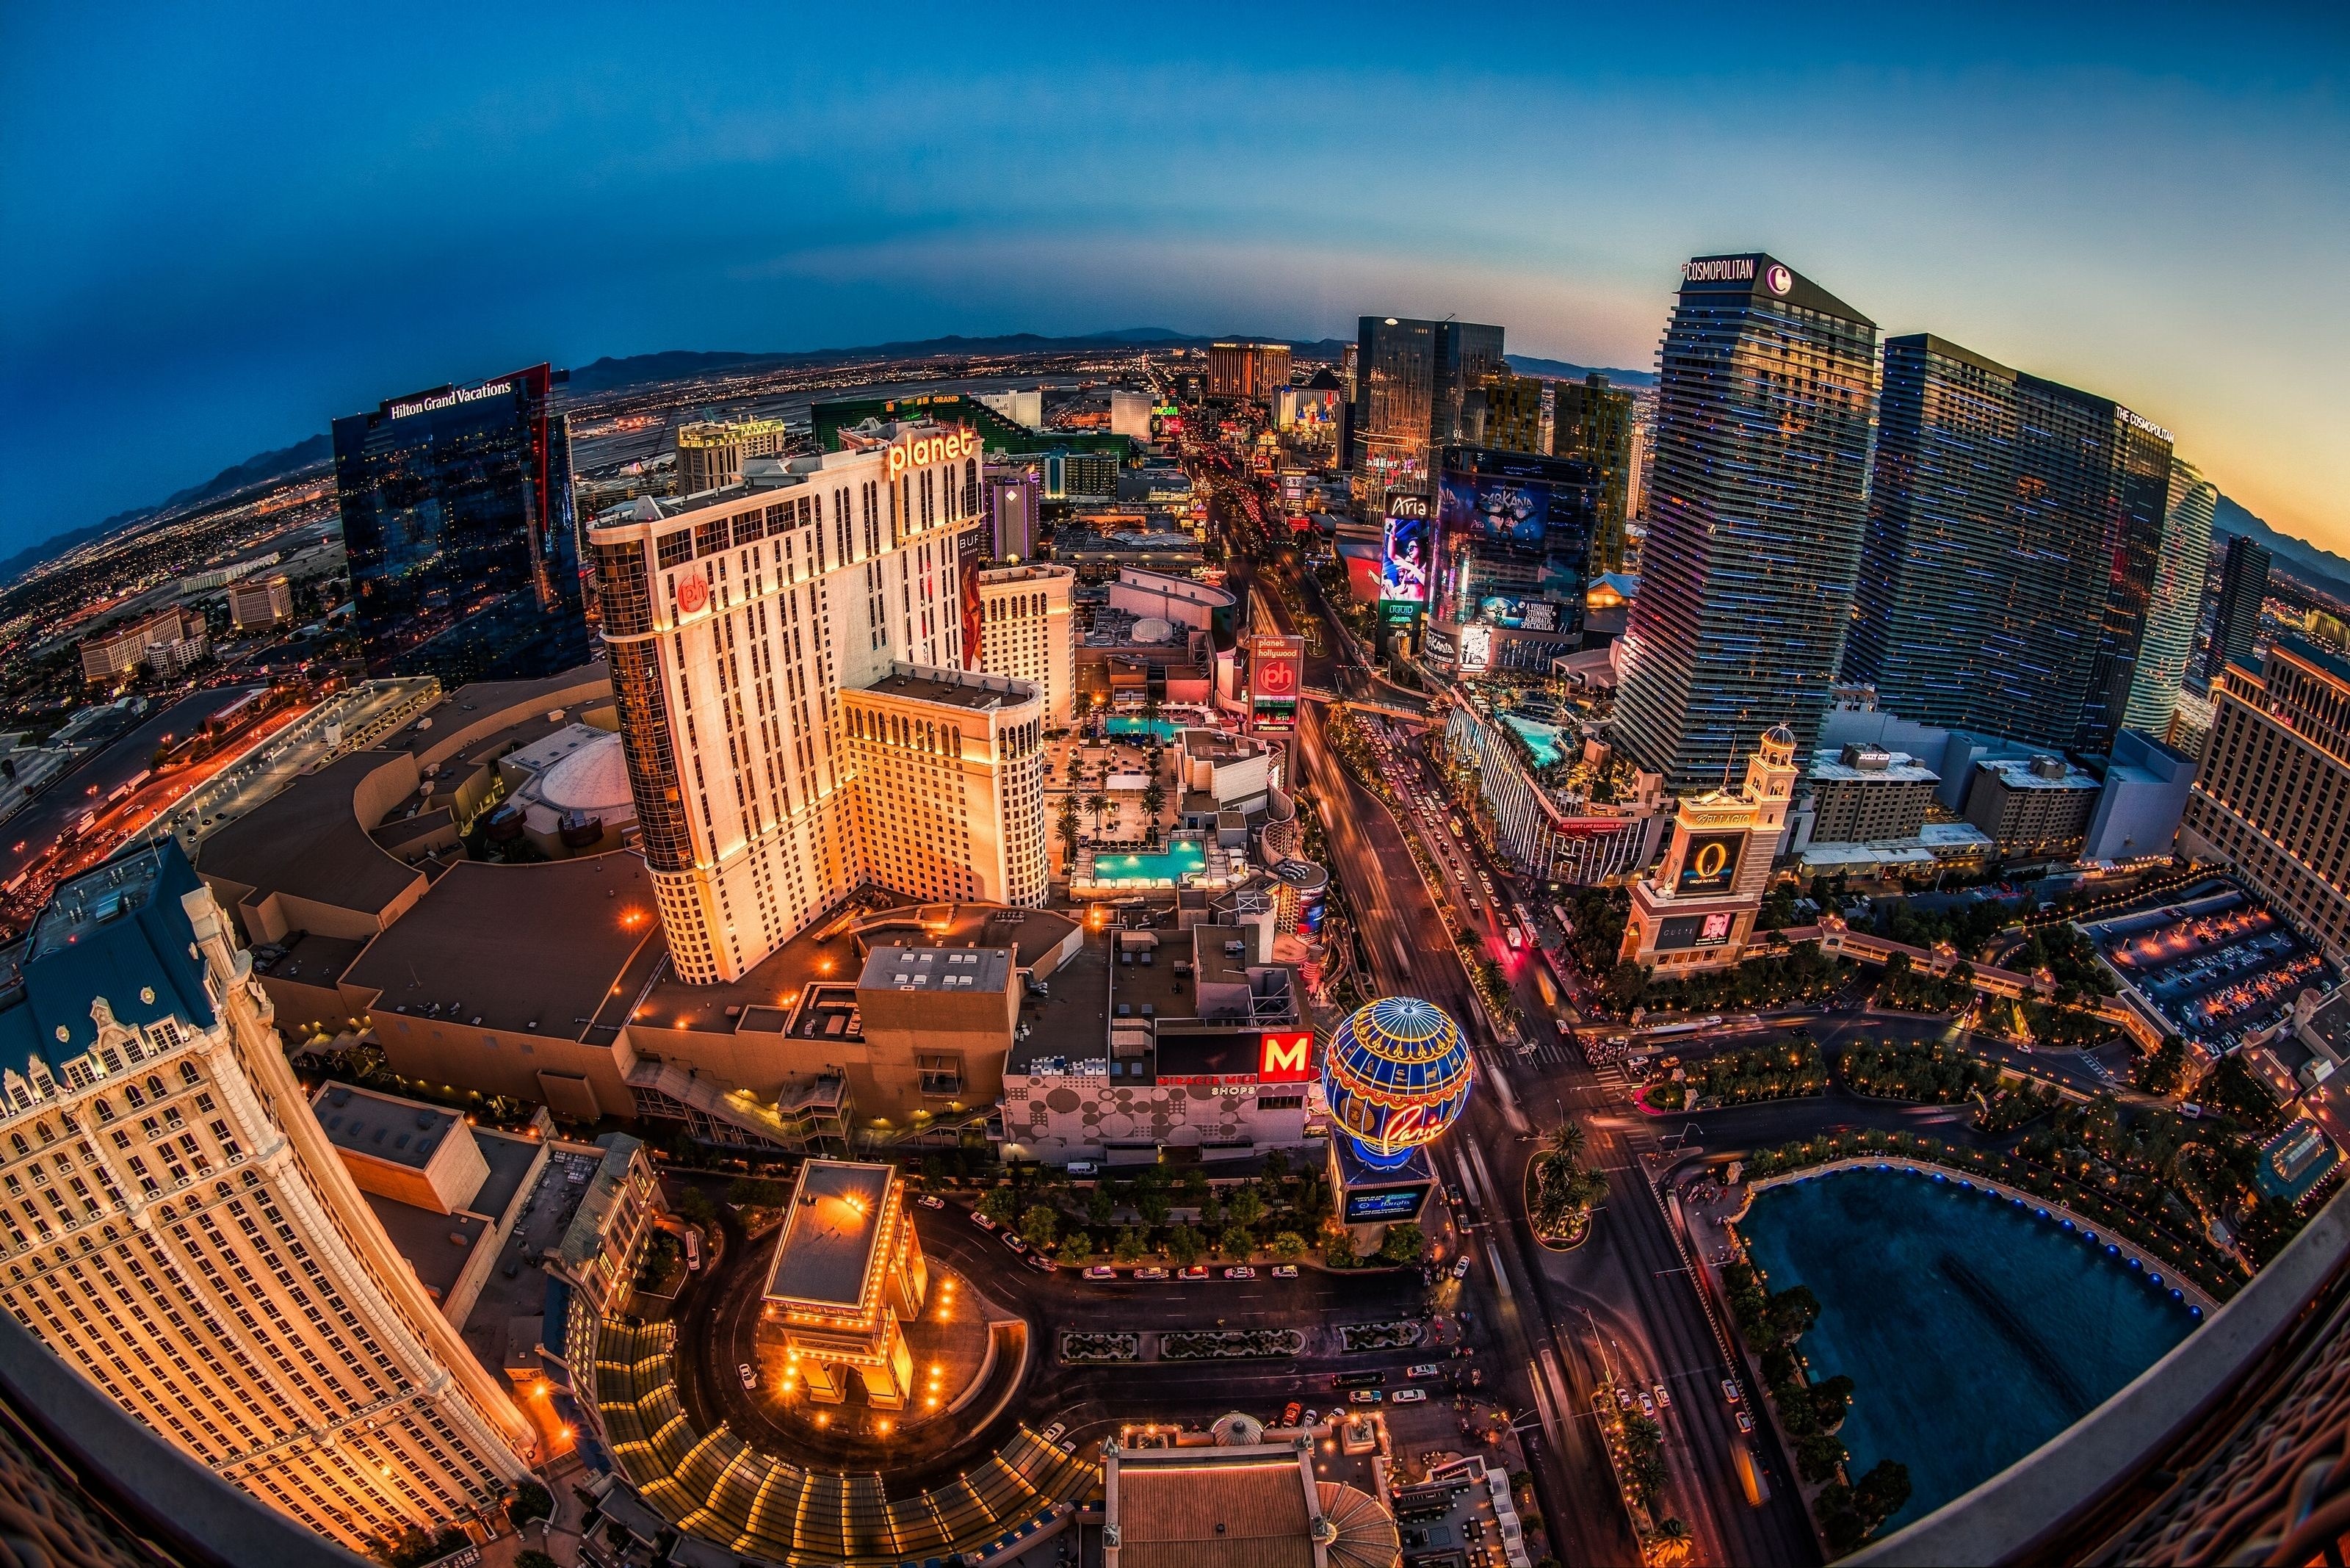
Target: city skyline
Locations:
point(1946, 181)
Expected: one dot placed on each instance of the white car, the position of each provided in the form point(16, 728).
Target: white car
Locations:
point(1407, 1396)
point(1052, 1434)
point(1240, 1272)
point(1664, 1400)
point(749, 1378)
point(932, 1201)
point(1284, 1271)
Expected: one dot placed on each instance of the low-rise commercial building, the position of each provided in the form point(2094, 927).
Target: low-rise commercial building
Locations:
point(2144, 797)
point(1697, 910)
point(257, 604)
point(2034, 805)
point(1859, 793)
point(848, 1271)
point(171, 638)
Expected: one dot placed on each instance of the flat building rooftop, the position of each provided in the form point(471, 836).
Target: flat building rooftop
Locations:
point(829, 1234)
point(382, 1126)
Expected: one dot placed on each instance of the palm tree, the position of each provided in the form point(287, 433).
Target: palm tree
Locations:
point(1673, 1529)
point(1566, 1142)
point(1097, 802)
point(1154, 799)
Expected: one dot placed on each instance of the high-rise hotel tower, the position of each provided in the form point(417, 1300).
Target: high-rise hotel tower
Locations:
point(2022, 549)
point(794, 659)
point(1766, 403)
point(179, 1229)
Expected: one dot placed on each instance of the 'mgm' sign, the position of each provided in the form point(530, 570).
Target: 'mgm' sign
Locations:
point(1285, 1058)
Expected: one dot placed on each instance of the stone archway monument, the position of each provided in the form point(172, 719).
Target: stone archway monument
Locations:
point(848, 1271)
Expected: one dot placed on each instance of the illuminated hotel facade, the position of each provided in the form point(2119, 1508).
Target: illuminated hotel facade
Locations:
point(1027, 631)
point(179, 1229)
point(792, 661)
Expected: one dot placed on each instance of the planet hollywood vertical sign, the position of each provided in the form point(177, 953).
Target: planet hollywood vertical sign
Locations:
point(1276, 671)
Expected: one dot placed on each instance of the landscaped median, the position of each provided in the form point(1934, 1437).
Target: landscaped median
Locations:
point(1778, 1071)
point(2191, 1261)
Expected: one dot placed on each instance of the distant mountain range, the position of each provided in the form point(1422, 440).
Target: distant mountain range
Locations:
point(2319, 570)
point(260, 469)
point(608, 375)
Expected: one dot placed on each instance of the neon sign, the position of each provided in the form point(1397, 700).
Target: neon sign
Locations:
point(922, 450)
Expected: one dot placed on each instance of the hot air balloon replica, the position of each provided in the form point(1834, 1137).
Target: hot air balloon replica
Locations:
point(1395, 1075)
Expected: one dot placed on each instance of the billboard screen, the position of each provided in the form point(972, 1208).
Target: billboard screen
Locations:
point(1284, 1057)
point(1476, 648)
point(1276, 670)
point(1223, 1057)
point(1403, 562)
point(1710, 865)
point(971, 556)
point(1512, 549)
point(1390, 1203)
point(1680, 931)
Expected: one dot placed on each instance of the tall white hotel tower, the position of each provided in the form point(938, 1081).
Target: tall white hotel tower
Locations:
point(794, 662)
point(179, 1229)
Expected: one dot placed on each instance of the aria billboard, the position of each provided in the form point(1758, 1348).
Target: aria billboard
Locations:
point(1403, 559)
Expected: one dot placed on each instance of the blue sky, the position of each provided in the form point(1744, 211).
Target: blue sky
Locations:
point(224, 225)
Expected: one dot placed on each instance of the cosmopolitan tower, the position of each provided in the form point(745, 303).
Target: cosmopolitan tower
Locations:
point(1766, 408)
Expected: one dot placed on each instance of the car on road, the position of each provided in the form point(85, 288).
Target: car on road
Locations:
point(1664, 1400)
point(1366, 1397)
point(1068, 1445)
point(1745, 1422)
point(1196, 1271)
point(1407, 1396)
point(1284, 1271)
point(1101, 1272)
point(1424, 1369)
point(932, 1201)
point(1624, 1397)
point(749, 1378)
point(1358, 1379)
point(1461, 1267)
point(981, 1221)
point(1038, 1262)
point(1150, 1274)
point(1052, 1434)
point(1730, 1389)
point(1289, 1414)
point(1648, 1405)
point(1012, 1240)
point(1313, 1416)
point(1240, 1272)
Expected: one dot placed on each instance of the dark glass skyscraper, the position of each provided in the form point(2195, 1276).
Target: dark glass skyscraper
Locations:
point(457, 519)
point(1592, 423)
point(2014, 530)
point(1758, 498)
point(2243, 584)
point(1414, 383)
point(1511, 556)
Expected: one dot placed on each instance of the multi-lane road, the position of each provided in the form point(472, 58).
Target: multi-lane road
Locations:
point(1626, 1304)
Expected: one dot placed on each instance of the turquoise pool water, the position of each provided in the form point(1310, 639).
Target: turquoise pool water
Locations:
point(1543, 738)
point(1121, 724)
point(1973, 1331)
point(1167, 864)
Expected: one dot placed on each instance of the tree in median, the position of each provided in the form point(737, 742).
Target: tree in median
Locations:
point(1040, 1224)
point(1184, 1246)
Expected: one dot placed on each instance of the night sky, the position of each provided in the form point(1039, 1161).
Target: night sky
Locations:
point(225, 226)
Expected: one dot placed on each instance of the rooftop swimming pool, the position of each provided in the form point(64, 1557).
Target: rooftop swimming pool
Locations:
point(1973, 1330)
point(1122, 726)
point(1543, 738)
point(1171, 865)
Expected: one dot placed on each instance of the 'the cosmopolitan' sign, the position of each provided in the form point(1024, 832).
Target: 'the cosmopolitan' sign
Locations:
point(1719, 269)
point(451, 398)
